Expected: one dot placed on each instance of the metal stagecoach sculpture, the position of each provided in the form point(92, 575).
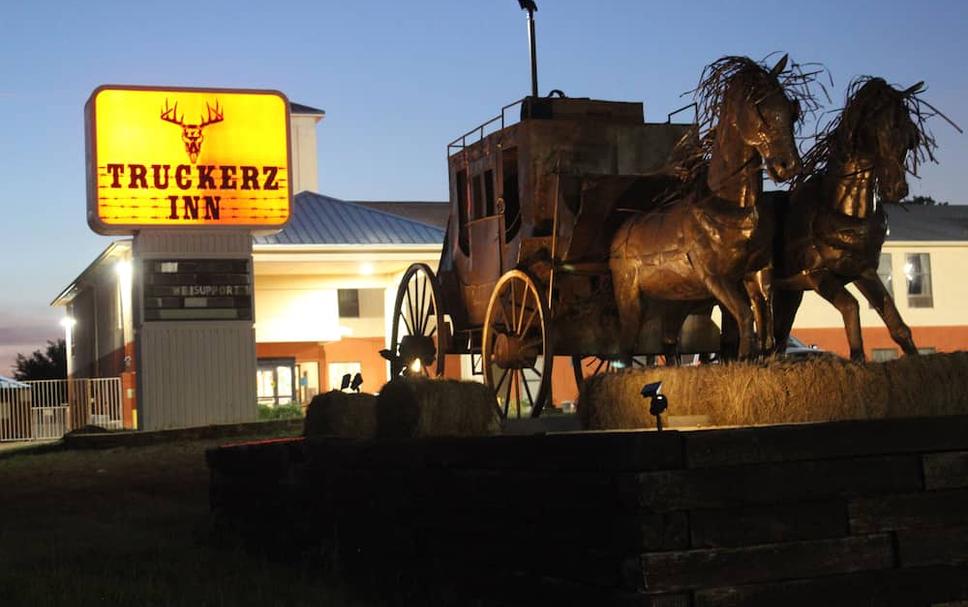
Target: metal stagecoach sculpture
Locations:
point(525, 272)
point(583, 231)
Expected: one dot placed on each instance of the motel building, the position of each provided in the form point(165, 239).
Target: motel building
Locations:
point(324, 289)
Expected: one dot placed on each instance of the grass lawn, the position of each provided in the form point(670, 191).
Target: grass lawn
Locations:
point(128, 526)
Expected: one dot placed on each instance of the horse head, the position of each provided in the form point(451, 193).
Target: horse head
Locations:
point(755, 107)
point(879, 131)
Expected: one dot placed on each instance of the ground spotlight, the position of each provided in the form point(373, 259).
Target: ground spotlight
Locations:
point(658, 402)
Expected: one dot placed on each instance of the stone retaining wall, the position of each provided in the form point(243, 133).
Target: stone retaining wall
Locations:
point(846, 513)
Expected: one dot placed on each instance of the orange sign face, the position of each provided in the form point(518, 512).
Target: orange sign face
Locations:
point(187, 158)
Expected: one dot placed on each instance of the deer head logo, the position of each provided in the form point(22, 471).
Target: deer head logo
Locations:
point(192, 133)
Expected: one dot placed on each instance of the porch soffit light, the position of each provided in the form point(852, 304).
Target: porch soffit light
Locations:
point(123, 268)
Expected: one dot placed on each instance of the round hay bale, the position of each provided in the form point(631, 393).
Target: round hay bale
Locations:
point(340, 414)
point(417, 407)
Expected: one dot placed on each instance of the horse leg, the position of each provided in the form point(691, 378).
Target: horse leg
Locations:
point(759, 288)
point(833, 291)
point(785, 306)
point(729, 339)
point(732, 297)
point(672, 319)
point(872, 288)
point(629, 303)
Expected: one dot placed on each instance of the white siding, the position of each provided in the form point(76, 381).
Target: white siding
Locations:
point(196, 373)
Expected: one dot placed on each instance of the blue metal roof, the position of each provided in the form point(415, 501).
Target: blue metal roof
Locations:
point(920, 222)
point(318, 219)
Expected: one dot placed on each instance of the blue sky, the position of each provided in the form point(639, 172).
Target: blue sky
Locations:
point(398, 80)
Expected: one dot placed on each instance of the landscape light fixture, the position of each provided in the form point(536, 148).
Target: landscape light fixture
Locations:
point(658, 403)
point(346, 382)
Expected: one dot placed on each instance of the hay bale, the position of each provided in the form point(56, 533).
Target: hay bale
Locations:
point(783, 391)
point(935, 384)
point(415, 407)
point(337, 413)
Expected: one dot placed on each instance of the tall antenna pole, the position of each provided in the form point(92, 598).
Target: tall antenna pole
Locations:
point(531, 7)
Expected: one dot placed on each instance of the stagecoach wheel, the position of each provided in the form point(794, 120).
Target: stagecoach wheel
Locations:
point(517, 351)
point(584, 366)
point(419, 332)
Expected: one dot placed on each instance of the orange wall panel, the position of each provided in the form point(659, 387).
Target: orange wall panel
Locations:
point(942, 339)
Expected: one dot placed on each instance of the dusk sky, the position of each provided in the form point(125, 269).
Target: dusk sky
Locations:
point(398, 80)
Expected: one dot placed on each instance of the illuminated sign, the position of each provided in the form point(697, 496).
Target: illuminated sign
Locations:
point(187, 158)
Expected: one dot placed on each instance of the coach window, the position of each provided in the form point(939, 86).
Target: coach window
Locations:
point(461, 186)
point(510, 194)
point(488, 193)
point(917, 271)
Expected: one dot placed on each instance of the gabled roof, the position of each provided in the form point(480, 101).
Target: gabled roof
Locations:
point(920, 222)
point(298, 108)
point(318, 219)
point(433, 213)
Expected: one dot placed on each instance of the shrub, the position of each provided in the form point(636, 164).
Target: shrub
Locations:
point(280, 411)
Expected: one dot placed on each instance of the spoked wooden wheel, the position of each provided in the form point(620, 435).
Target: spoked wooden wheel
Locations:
point(587, 366)
point(517, 351)
point(419, 336)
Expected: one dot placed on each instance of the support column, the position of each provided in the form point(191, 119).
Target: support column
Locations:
point(194, 331)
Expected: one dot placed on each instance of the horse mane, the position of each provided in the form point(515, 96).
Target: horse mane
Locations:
point(865, 95)
point(690, 157)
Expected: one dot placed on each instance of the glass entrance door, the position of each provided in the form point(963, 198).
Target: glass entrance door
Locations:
point(276, 380)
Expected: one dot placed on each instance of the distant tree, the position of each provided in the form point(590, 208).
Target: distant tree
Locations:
point(43, 364)
point(924, 201)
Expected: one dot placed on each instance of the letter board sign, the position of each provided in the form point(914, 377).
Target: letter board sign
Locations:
point(187, 158)
point(197, 289)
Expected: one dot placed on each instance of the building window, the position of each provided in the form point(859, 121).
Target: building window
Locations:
point(928, 350)
point(880, 355)
point(349, 303)
point(917, 271)
point(884, 273)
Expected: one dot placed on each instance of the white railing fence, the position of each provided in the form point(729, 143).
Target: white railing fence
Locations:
point(48, 409)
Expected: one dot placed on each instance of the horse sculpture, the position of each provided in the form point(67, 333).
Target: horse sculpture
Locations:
point(676, 258)
point(835, 224)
